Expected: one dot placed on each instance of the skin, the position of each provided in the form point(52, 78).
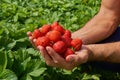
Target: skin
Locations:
point(101, 26)
point(106, 21)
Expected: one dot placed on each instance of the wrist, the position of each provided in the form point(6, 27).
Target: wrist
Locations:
point(88, 52)
point(93, 53)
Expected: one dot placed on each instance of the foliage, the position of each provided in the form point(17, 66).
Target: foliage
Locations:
point(19, 60)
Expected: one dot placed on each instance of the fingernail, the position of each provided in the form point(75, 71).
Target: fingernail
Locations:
point(55, 61)
point(70, 59)
point(47, 48)
point(28, 33)
point(34, 40)
point(30, 37)
point(39, 47)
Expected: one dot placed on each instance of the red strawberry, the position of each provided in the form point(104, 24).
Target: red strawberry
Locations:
point(45, 28)
point(51, 44)
point(48, 33)
point(67, 33)
point(42, 41)
point(37, 33)
point(54, 35)
point(68, 52)
point(67, 40)
point(54, 24)
point(76, 44)
point(59, 28)
point(59, 47)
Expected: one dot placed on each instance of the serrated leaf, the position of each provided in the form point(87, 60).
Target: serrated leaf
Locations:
point(1, 30)
point(8, 75)
point(37, 72)
point(67, 72)
point(3, 62)
point(90, 77)
point(35, 13)
point(11, 45)
point(26, 77)
point(21, 39)
point(16, 18)
point(95, 77)
point(25, 62)
point(33, 52)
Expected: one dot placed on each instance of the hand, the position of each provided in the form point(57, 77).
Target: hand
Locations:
point(54, 59)
point(32, 40)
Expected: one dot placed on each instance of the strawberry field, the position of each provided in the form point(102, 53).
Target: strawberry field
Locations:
point(19, 60)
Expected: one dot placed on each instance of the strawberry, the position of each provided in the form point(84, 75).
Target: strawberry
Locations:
point(54, 35)
point(68, 52)
point(67, 40)
point(48, 33)
point(59, 28)
point(76, 44)
point(54, 24)
point(45, 28)
point(36, 33)
point(51, 44)
point(59, 47)
point(67, 33)
point(42, 41)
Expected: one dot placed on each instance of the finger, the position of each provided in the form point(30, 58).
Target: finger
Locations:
point(42, 51)
point(29, 33)
point(55, 56)
point(71, 58)
point(77, 58)
point(32, 41)
point(58, 60)
point(40, 28)
point(46, 56)
point(83, 56)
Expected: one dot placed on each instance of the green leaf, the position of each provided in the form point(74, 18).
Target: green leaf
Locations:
point(67, 72)
point(37, 72)
point(7, 1)
point(3, 62)
point(91, 77)
point(25, 62)
point(11, 45)
point(16, 18)
point(31, 51)
point(21, 39)
point(1, 30)
point(8, 75)
point(35, 13)
point(26, 77)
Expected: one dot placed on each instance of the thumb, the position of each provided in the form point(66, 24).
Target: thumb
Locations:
point(71, 58)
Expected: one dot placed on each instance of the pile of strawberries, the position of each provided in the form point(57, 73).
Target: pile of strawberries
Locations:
point(58, 38)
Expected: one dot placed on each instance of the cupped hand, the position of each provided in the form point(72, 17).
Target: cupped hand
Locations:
point(55, 60)
point(71, 61)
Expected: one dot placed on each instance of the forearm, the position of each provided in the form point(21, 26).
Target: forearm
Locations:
point(97, 29)
point(101, 25)
point(109, 52)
